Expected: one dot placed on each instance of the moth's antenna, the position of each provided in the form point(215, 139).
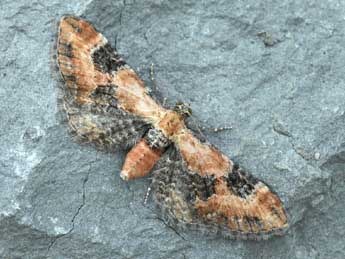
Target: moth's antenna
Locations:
point(154, 84)
point(219, 129)
point(213, 130)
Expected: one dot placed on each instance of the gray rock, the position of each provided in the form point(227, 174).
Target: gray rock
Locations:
point(273, 71)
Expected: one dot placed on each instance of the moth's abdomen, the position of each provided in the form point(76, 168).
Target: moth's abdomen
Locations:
point(140, 160)
point(144, 155)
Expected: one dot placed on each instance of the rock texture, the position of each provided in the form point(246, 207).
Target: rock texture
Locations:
point(273, 70)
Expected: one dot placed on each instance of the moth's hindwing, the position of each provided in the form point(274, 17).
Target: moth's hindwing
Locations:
point(237, 205)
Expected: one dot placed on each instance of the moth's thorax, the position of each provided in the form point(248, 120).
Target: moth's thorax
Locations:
point(156, 139)
point(171, 124)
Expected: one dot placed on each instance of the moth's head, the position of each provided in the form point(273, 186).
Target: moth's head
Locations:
point(183, 109)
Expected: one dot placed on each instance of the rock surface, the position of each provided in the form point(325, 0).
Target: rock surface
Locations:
point(272, 70)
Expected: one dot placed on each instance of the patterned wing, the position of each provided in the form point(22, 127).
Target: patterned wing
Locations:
point(237, 205)
point(105, 101)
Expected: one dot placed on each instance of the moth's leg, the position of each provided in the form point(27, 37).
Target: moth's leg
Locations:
point(164, 101)
point(147, 195)
point(152, 76)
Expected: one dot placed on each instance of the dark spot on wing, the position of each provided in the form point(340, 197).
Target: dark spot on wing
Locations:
point(240, 182)
point(66, 49)
point(70, 78)
point(106, 59)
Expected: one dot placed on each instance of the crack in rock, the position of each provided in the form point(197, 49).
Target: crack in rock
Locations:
point(172, 228)
point(120, 22)
point(75, 214)
point(165, 223)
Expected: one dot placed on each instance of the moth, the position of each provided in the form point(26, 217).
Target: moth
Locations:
point(194, 185)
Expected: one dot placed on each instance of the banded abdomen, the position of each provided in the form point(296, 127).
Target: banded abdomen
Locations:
point(144, 155)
